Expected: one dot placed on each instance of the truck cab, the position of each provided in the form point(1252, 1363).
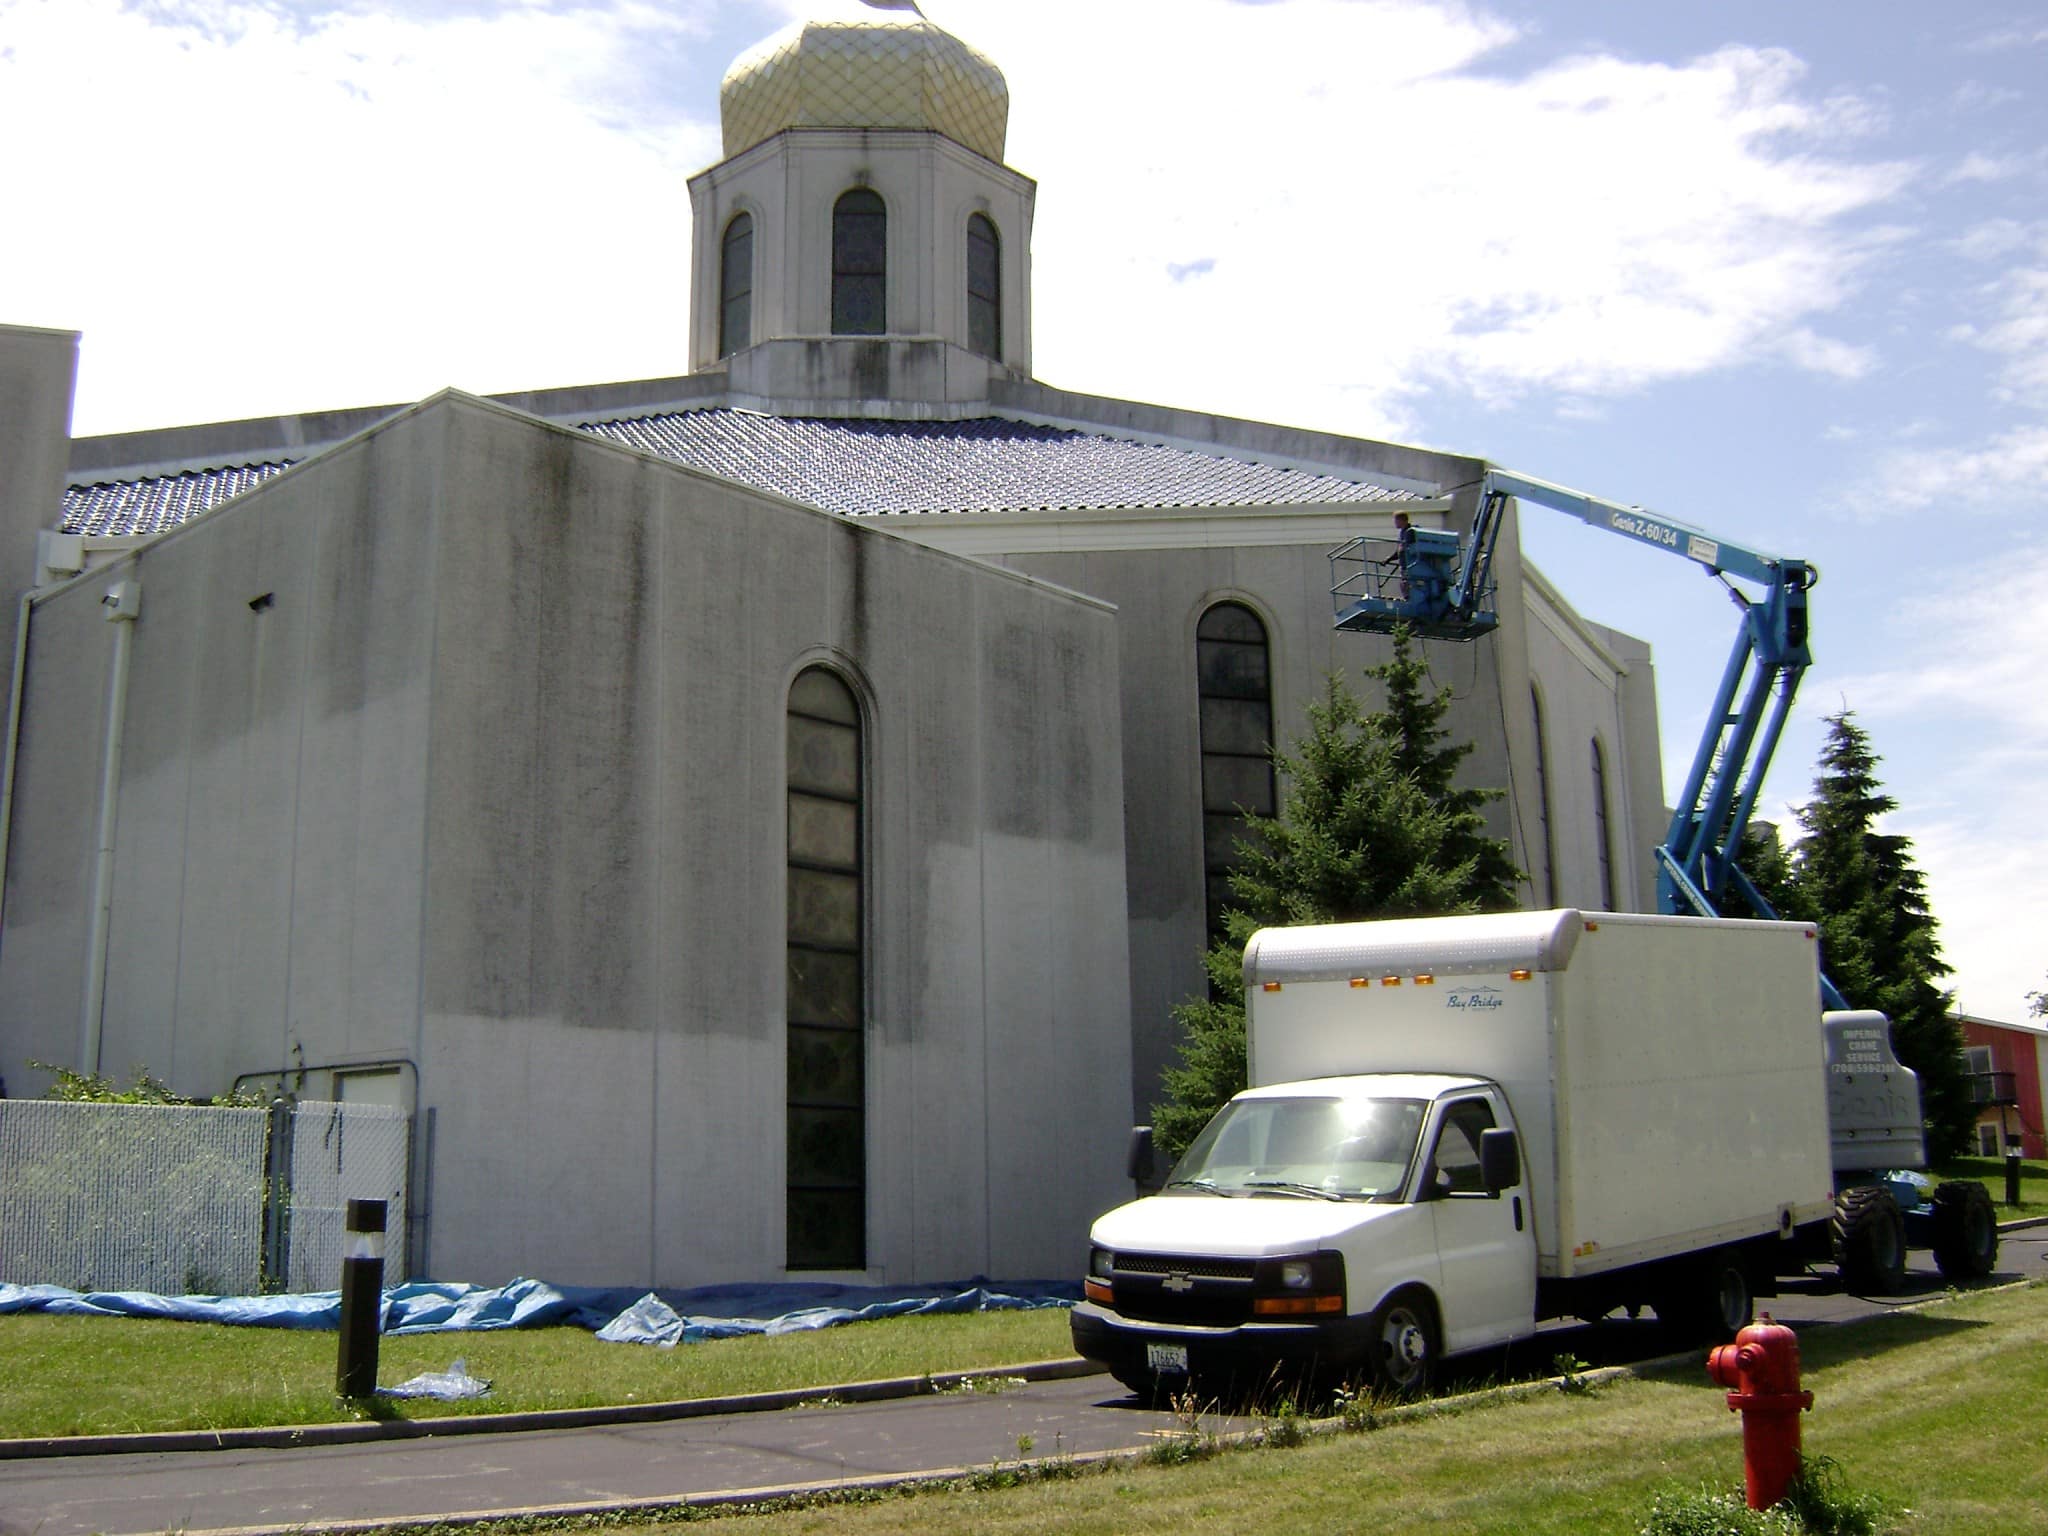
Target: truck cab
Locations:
point(1354, 1227)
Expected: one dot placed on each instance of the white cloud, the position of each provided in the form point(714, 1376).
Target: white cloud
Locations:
point(1391, 215)
point(1824, 354)
point(2013, 465)
point(1981, 167)
point(1966, 695)
point(1987, 634)
point(350, 187)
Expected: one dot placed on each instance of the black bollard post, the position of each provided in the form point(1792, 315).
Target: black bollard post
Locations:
point(2012, 1174)
point(362, 1299)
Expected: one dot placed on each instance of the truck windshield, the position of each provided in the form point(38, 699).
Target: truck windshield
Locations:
point(1325, 1148)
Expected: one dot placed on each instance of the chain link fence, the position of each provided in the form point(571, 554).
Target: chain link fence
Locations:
point(193, 1199)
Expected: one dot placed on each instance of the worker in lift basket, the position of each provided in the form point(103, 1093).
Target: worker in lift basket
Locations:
point(1404, 549)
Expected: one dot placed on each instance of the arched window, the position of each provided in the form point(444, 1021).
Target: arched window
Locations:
point(827, 1024)
point(1548, 846)
point(984, 288)
point(736, 286)
point(860, 241)
point(1600, 827)
point(1234, 681)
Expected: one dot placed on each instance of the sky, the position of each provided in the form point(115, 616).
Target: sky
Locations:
point(1776, 268)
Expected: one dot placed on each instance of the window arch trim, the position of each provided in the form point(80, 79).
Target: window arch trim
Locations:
point(736, 284)
point(984, 275)
point(827, 942)
point(1233, 645)
point(860, 263)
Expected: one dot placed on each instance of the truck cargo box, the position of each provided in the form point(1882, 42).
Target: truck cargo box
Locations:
point(1667, 1072)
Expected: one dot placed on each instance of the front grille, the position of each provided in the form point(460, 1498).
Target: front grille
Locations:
point(1211, 1293)
point(1202, 1268)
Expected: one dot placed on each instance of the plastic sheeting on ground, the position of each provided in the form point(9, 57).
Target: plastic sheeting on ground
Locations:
point(450, 1386)
point(621, 1314)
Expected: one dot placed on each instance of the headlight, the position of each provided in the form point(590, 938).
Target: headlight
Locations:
point(1297, 1274)
point(1101, 1263)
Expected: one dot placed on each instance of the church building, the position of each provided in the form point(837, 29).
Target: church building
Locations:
point(759, 820)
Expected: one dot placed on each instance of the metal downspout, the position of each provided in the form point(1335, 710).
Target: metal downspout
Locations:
point(14, 701)
point(123, 601)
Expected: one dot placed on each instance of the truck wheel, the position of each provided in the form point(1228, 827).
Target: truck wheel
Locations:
point(1965, 1231)
point(1710, 1300)
point(1869, 1241)
point(1404, 1345)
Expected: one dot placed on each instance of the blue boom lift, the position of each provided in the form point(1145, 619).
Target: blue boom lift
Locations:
point(1441, 587)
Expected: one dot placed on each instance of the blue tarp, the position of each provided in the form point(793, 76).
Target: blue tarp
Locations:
point(615, 1313)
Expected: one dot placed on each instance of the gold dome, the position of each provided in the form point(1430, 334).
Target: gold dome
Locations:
point(865, 67)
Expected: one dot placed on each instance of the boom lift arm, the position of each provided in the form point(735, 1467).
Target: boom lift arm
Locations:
point(1442, 586)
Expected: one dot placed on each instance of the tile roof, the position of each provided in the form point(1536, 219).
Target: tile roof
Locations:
point(852, 467)
point(158, 503)
point(985, 464)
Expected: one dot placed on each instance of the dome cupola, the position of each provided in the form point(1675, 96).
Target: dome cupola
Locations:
point(865, 64)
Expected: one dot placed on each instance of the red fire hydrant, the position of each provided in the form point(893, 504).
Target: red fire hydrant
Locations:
point(1762, 1366)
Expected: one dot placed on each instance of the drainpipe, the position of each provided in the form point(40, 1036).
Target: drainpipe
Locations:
point(13, 749)
point(123, 602)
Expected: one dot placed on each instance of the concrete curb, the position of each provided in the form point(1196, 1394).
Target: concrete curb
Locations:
point(909, 1386)
point(357, 1432)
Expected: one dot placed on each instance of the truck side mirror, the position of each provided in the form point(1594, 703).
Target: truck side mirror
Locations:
point(1139, 1159)
point(1500, 1160)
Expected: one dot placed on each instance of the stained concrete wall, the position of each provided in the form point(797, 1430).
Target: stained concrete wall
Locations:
point(267, 883)
point(930, 187)
point(603, 995)
point(38, 369)
point(1160, 597)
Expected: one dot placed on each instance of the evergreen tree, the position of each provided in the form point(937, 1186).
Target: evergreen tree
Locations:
point(2037, 1004)
point(1371, 824)
point(1878, 935)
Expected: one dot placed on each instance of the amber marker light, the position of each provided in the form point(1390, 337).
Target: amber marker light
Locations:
point(1269, 986)
point(1360, 981)
point(1390, 981)
point(1425, 980)
point(1520, 975)
point(1098, 1291)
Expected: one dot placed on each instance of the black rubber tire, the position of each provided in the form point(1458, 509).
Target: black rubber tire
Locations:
point(1965, 1230)
point(1405, 1345)
point(1869, 1241)
point(1709, 1301)
point(1140, 1382)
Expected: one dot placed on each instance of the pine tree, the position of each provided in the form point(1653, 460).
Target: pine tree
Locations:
point(1372, 824)
point(1878, 934)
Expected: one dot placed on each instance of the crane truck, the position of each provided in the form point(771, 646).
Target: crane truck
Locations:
point(1442, 585)
point(1539, 1114)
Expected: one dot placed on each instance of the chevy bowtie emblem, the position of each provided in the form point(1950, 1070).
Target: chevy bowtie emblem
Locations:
point(1178, 1280)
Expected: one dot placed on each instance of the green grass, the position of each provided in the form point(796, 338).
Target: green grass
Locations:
point(1990, 1172)
point(91, 1375)
point(1936, 1414)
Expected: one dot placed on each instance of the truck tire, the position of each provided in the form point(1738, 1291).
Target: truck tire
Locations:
point(1869, 1241)
point(1965, 1231)
point(1708, 1300)
point(1144, 1383)
point(1404, 1345)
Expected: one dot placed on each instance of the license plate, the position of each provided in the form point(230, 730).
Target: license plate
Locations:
point(1168, 1359)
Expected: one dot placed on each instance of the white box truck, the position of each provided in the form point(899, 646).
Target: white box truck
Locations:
point(1460, 1126)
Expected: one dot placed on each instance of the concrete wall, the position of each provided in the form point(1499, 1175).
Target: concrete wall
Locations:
point(1160, 596)
point(266, 894)
point(1583, 688)
point(930, 186)
point(464, 743)
point(37, 371)
point(605, 908)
